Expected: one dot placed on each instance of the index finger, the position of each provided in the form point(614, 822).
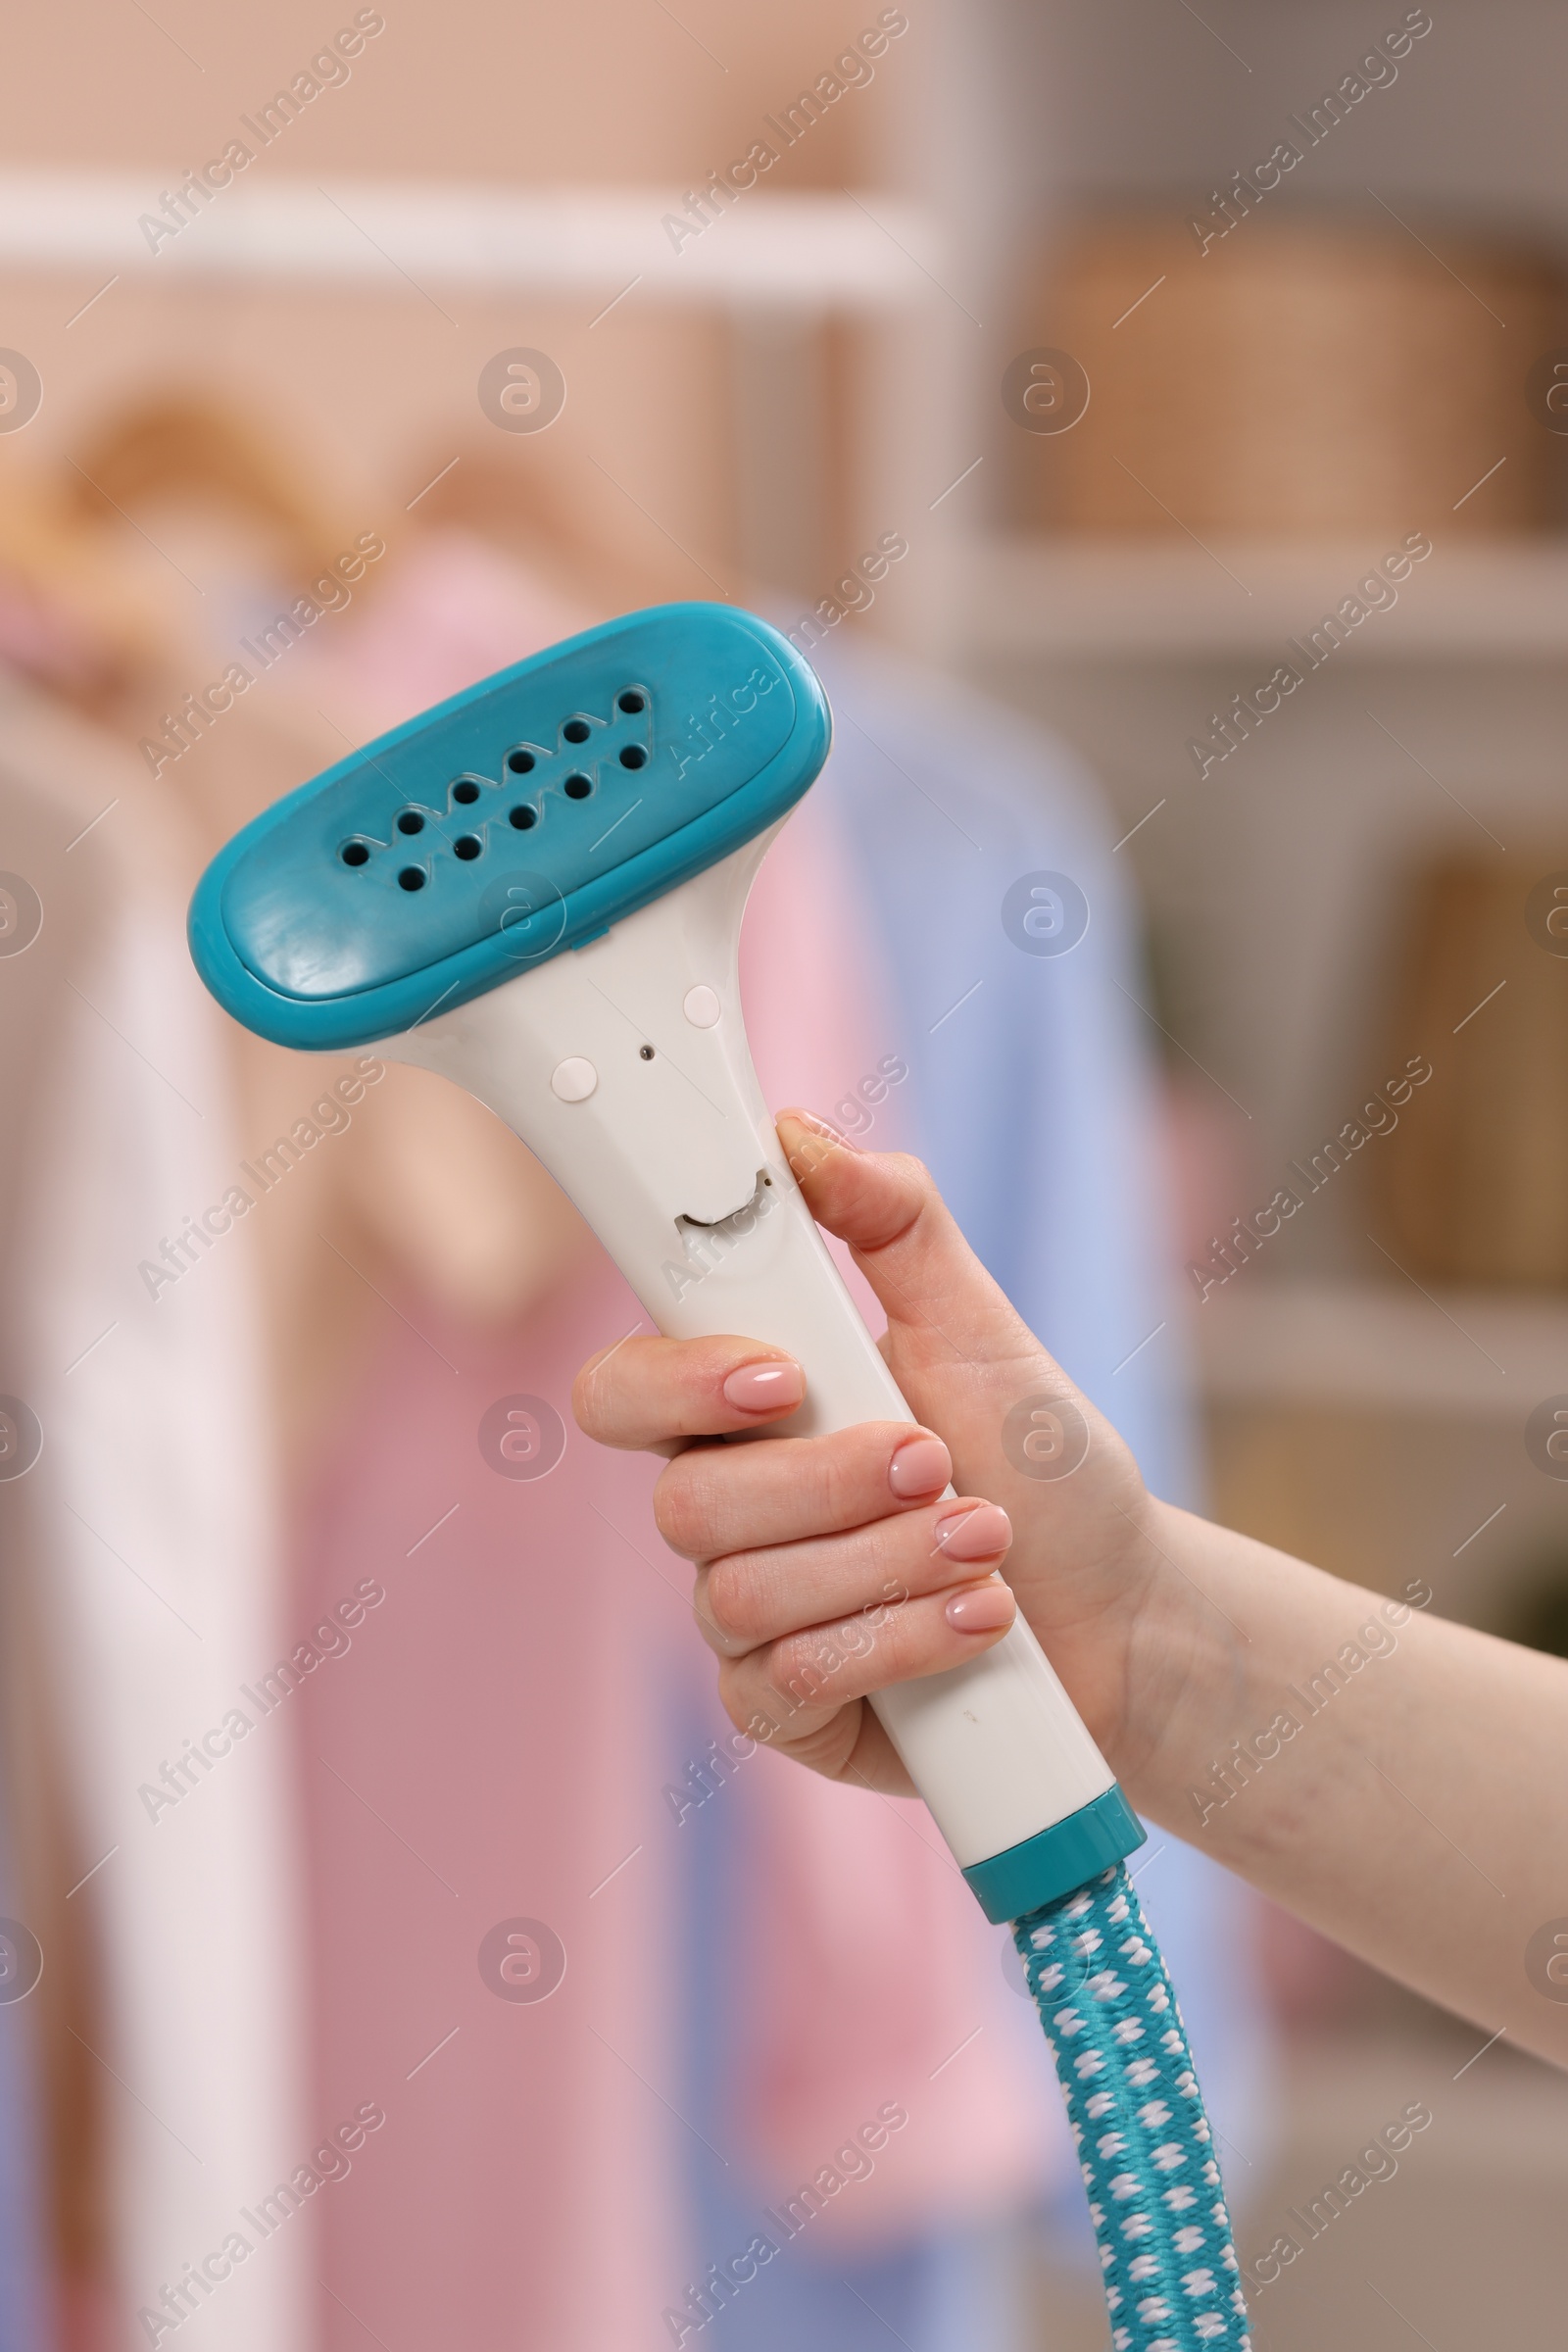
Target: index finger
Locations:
point(643, 1390)
point(937, 1297)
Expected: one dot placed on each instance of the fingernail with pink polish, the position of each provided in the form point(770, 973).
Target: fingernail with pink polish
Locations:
point(980, 1608)
point(825, 1127)
point(919, 1466)
point(765, 1387)
point(979, 1532)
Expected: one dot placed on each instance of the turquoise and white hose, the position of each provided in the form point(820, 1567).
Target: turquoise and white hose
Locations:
point(1144, 2148)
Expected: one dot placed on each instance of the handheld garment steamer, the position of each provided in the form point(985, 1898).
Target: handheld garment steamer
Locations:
point(536, 889)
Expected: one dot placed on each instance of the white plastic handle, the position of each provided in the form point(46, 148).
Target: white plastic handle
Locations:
point(624, 1067)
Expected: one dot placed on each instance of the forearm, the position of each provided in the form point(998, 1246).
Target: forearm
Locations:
point(1394, 1779)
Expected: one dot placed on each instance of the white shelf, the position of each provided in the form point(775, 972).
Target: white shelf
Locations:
point(1472, 1354)
point(1111, 597)
point(406, 236)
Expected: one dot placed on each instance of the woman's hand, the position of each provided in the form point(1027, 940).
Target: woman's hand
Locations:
point(1390, 1778)
point(827, 1567)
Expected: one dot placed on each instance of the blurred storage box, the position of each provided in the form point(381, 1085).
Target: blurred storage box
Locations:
point(1475, 1188)
point(1297, 376)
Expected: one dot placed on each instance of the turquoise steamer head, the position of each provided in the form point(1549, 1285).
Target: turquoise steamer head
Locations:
point(520, 820)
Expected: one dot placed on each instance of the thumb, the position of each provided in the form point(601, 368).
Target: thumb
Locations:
point(941, 1303)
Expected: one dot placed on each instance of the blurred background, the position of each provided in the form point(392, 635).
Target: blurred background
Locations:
point(1155, 425)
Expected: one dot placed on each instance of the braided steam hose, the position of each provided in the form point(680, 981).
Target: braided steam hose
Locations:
point(1144, 2143)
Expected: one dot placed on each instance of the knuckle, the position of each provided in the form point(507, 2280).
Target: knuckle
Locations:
point(892, 1593)
point(885, 1629)
point(871, 1555)
point(914, 1170)
point(801, 1668)
point(850, 1464)
point(586, 1402)
point(730, 1599)
point(837, 1482)
point(779, 1667)
point(738, 1696)
point(685, 1505)
point(900, 1637)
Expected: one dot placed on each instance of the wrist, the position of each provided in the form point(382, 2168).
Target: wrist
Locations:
point(1187, 1663)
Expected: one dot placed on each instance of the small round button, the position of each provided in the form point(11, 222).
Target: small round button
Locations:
point(573, 1079)
point(700, 1005)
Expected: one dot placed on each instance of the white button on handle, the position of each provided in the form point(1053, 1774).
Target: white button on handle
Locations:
point(702, 1007)
point(573, 1079)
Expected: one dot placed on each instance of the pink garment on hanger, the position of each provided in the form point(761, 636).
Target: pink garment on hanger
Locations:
point(486, 1752)
point(453, 611)
point(510, 1714)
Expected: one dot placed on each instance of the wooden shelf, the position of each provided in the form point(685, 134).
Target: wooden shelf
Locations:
point(1387, 1347)
point(1111, 599)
